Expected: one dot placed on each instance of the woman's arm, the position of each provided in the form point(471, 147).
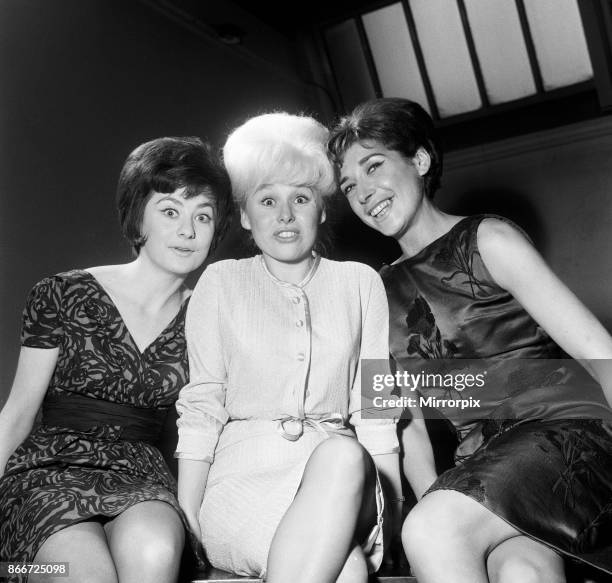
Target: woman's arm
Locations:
point(201, 404)
point(418, 464)
point(517, 267)
point(193, 475)
point(34, 370)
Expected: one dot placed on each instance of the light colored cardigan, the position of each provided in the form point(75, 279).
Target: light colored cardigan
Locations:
point(260, 348)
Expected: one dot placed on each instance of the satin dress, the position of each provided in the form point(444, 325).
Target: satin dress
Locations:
point(537, 449)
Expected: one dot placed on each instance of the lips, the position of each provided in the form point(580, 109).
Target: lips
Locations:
point(286, 234)
point(380, 209)
point(183, 250)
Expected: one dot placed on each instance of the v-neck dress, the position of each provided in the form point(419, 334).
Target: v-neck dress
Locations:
point(537, 448)
point(60, 475)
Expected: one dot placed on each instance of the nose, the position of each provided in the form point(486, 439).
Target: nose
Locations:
point(364, 192)
point(186, 229)
point(285, 213)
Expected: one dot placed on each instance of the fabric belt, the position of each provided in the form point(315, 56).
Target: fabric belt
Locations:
point(83, 413)
point(292, 428)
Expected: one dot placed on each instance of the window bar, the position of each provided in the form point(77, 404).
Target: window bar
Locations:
point(367, 52)
point(431, 98)
point(533, 59)
point(604, 9)
point(467, 29)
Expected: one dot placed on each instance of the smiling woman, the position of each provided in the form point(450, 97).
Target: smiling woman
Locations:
point(267, 458)
point(103, 351)
point(518, 501)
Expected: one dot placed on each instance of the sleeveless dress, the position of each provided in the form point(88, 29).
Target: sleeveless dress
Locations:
point(537, 448)
point(93, 456)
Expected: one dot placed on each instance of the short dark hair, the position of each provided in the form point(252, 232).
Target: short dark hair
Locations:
point(398, 124)
point(164, 165)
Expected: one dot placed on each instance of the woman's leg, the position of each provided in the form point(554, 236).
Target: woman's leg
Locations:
point(355, 568)
point(334, 506)
point(146, 542)
point(84, 547)
point(525, 560)
point(447, 536)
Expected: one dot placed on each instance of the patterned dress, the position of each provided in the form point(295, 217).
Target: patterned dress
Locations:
point(93, 455)
point(537, 450)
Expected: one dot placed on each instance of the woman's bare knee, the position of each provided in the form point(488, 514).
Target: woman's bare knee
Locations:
point(84, 548)
point(523, 559)
point(344, 463)
point(445, 517)
point(147, 539)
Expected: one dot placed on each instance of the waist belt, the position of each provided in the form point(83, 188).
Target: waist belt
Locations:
point(292, 428)
point(83, 413)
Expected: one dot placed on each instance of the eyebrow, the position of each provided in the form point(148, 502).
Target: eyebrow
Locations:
point(360, 162)
point(177, 201)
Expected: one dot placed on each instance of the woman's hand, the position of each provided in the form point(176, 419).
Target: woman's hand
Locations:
point(194, 524)
point(192, 478)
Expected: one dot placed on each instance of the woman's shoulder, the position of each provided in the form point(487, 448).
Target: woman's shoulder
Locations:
point(231, 267)
point(225, 272)
point(62, 280)
point(352, 273)
point(477, 232)
point(496, 226)
point(350, 267)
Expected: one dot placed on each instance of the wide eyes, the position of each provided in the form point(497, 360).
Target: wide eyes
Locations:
point(298, 199)
point(201, 218)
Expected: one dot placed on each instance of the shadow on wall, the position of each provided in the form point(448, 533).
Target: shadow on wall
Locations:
point(507, 203)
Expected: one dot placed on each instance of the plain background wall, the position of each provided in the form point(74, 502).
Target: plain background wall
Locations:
point(558, 186)
point(82, 82)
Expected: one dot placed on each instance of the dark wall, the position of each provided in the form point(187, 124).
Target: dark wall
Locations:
point(81, 83)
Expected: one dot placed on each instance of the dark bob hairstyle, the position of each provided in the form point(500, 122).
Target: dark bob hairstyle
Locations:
point(164, 165)
point(398, 124)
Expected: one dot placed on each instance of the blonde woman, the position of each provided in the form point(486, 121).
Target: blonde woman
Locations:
point(271, 475)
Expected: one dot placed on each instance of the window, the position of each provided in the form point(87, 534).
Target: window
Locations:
point(470, 60)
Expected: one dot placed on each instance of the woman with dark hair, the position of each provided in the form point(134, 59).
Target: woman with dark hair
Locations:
point(533, 480)
point(271, 477)
point(103, 352)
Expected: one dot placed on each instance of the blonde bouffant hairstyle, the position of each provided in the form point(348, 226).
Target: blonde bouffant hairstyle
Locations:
point(278, 148)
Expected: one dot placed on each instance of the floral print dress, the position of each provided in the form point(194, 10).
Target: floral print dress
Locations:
point(91, 467)
point(537, 450)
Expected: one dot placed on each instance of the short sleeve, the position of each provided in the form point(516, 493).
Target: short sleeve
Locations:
point(42, 322)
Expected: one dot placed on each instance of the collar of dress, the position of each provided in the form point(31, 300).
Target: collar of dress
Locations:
point(307, 278)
